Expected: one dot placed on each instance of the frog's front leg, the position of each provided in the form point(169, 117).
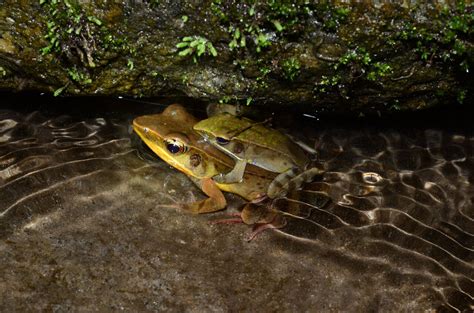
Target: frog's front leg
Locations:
point(291, 180)
point(215, 202)
point(234, 176)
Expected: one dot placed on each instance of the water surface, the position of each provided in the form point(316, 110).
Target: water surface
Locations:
point(86, 221)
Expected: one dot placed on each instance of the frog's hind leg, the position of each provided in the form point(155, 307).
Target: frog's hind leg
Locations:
point(215, 202)
point(234, 176)
point(236, 219)
point(292, 179)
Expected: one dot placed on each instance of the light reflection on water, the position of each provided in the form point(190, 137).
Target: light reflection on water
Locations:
point(401, 198)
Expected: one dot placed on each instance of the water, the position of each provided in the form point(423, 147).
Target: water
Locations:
point(86, 221)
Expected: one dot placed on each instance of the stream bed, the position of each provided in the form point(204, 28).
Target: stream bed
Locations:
point(87, 221)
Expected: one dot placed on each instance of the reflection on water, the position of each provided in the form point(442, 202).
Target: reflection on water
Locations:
point(400, 214)
point(403, 199)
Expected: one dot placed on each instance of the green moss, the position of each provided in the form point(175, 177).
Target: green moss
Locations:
point(327, 83)
point(261, 79)
point(81, 77)
point(378, 70)
point(355, 65)
point(261, 29)
point(196, 46)
point(253, 24)
point(333, 17)
point(80, 41)
point(444, 42)
point(291, 68)
point(70, 31)
point(394, 105)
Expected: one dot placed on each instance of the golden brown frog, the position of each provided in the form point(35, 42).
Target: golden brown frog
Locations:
point(171, 136)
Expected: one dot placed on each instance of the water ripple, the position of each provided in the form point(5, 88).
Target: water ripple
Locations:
point(401, 195)
point(399, 203)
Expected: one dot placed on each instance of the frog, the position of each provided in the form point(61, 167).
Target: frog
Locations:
point(171, 136)
point(250, 142)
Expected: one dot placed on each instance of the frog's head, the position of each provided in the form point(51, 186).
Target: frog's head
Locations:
point(171, 136)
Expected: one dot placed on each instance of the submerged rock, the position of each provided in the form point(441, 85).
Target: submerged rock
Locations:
point(339, 58)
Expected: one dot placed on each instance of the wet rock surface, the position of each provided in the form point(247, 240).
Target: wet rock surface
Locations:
point(88, 223)
point(367, 57)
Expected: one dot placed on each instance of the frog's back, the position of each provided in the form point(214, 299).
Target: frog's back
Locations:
point(247, 131)
point(275, 141)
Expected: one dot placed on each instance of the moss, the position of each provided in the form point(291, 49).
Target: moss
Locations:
point(79, 76)
point(378, 70)
point(70, 31)
point(196, 46)
point(333, 17)
point(446, 41)
point(260, 29)
point(327, 83)
point(355, 65)
point(291, 68)
point(79, 40)
point(273, 51)
point(261, 23)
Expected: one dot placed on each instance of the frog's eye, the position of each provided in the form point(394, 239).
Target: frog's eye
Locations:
point(175, 147)
point(222, 141)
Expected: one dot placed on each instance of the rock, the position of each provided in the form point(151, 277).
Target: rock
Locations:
point(342, 58)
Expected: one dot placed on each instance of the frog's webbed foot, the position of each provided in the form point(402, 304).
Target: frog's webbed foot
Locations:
point(291, 180)
point(278, 222)
point(261, 216)
point(215, 202)
point(234, 176)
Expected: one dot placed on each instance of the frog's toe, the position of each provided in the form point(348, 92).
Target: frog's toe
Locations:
point(236, 219)
point(278, 222)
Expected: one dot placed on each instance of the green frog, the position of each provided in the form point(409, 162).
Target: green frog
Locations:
point(253, 143)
